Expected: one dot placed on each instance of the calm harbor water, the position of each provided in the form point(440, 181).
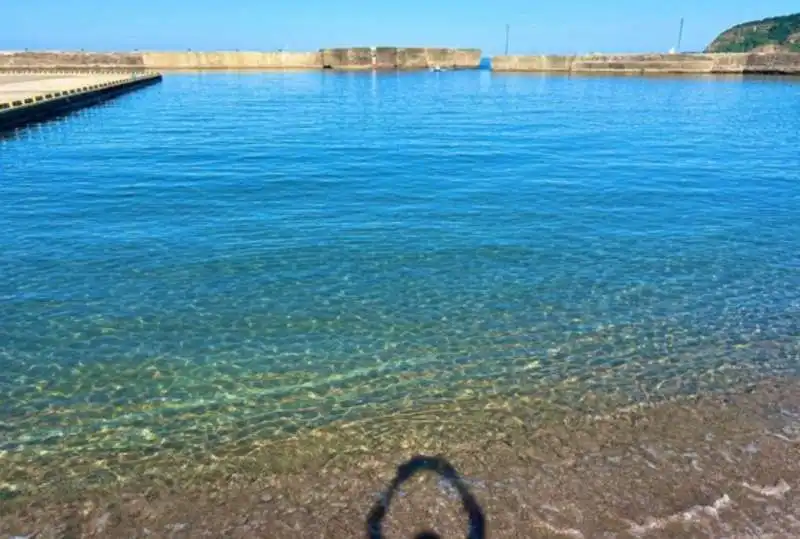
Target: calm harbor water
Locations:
point(236, 256)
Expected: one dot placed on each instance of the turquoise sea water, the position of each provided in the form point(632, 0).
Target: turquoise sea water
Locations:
point(228, 256)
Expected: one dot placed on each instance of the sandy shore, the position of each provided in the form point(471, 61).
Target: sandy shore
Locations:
point(714, 466)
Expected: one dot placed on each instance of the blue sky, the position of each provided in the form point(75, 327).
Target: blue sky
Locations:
point(536, 26)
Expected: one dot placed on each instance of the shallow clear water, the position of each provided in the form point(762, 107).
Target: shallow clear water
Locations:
point(238, 255)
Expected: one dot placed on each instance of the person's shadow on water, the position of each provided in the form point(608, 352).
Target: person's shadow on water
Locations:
point(446, 471)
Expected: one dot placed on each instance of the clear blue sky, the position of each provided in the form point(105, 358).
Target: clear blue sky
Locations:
point(536, 26)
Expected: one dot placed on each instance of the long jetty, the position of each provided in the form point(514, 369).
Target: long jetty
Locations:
point(27, 97)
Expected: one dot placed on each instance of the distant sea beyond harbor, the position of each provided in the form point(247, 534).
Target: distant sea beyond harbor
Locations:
point(232, 303)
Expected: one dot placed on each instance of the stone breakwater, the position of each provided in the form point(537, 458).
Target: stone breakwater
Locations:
point(720, 63)
point(341, 58)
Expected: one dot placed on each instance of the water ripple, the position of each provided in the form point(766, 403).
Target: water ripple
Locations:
point(285, 249)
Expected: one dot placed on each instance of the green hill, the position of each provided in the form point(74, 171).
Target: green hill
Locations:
point(776, 34)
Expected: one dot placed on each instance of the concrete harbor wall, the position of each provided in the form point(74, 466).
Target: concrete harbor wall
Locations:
point(27, 102)
point(389, 58)
point(231, 60)
point(127, 61)
point(414, 58)
point(74, 61)
point(352, 58)
point(355, 58)
point(715, 63)
point(779, 63)
point(385, 58)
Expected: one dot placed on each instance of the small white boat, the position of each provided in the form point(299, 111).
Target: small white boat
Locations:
point(436, 68)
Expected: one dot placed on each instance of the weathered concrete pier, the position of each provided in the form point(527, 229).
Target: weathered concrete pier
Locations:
point(30, 97)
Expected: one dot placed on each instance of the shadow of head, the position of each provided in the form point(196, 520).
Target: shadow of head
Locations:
point(439, 466)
